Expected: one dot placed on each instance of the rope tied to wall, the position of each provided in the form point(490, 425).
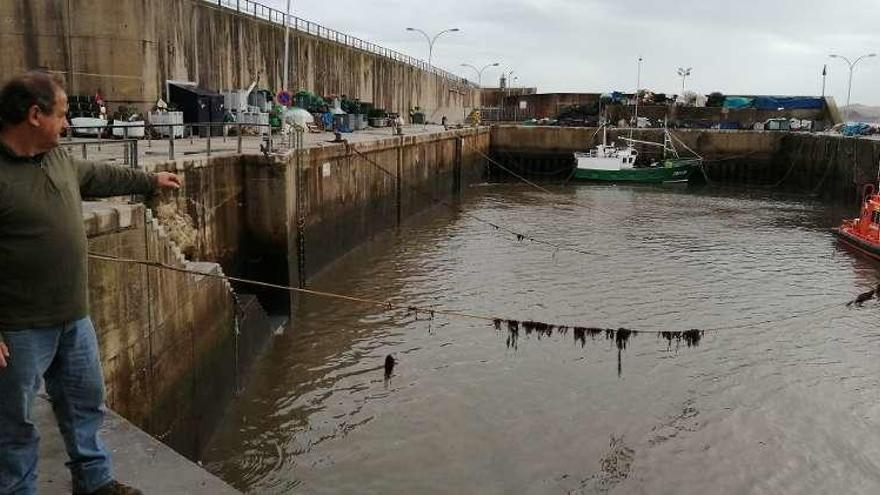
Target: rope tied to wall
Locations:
point(514, 327)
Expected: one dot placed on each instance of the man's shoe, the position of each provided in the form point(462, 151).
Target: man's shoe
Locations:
point(115, 488)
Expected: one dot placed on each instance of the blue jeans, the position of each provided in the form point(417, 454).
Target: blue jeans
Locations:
point(66, 356)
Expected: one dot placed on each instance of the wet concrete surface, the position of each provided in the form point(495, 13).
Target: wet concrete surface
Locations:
point(138, 460)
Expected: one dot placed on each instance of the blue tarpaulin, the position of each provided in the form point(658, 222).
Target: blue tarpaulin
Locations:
point(856, 129)
point(738, 102)
point(788, 102)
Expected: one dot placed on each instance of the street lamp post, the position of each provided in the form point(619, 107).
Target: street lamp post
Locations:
point(480, 71)
point(286, 48)
point(506, 76)
point(432, 40)
point(684, 73)
point(852, 66)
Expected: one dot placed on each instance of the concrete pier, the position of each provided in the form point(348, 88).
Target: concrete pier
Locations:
point(138, 460)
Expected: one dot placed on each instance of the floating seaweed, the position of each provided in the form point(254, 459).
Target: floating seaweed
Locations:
point(389, 366)
point(864, 296)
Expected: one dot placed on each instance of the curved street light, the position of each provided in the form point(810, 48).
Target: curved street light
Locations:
point(480, 71)
point(683, 73)
point(852, 66)
point(506, 77)
point(432, 40)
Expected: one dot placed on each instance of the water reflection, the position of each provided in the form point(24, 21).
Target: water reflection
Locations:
point(782, 407)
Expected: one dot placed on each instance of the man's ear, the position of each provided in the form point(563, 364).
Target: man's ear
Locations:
point(33, 115)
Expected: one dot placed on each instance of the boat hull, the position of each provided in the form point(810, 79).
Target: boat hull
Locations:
point(652, 175)
point(862, 245)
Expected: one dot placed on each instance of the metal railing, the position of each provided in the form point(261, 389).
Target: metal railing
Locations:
point(260, 11)
point(505, 114)
point(131, 148)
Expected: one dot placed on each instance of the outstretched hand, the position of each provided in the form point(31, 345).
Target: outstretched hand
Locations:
point(167, 180)
point(4, 354)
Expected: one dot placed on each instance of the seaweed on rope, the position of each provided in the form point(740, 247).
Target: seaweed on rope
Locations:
point(620, 336)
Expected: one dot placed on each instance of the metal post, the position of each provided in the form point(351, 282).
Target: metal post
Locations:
point(135, 162)
point(209, 140)
point(286, 48)
point(849, 89)
point(270, 140)
point(239, 138)
point(85, 154)
point(852, 66)
point(638, 84)
point(171, 143)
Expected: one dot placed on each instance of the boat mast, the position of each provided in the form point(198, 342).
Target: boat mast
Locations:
point(638, 85)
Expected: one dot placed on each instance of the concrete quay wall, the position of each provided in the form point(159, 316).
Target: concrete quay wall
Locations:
point(169, 346)
point(823, 164)
point(176, 347)
point(127, 49)
point(339, 195)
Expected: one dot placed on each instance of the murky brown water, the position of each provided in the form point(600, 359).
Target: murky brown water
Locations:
point(786, 407)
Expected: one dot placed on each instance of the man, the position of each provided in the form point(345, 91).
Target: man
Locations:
point(45, 330)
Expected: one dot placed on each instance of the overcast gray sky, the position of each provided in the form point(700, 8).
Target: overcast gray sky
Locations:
point(736, 47)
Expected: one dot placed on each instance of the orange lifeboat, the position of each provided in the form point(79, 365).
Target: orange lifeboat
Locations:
point(863, 233)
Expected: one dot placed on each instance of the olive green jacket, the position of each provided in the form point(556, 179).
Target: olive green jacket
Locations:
point(43, 265)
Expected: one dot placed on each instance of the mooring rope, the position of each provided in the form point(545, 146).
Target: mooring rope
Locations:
point(520, 236)
point(621, 335)
point(541, 188)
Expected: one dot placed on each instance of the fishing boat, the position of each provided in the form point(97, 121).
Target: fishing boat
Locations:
point(612, 163)
point(863, 233)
